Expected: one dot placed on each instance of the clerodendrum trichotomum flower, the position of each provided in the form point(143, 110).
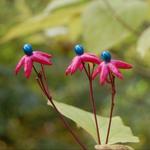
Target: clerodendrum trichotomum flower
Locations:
point(80, 58)
point(109, 65)
point(30, 57)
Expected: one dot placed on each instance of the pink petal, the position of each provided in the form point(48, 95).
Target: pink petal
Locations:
point(43, 54)
point(20, 64)
point(104, 73)
point(96, 71)
point(75, 64)
point(28, 66)
point(87, 57)
point(121, 64)
point(41, 59)
point(68, 70)
point(114, 69)
point(81, 67)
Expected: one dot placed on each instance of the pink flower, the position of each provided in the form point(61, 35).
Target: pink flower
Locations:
point(77, 62)
point(30, 57)
point(108, 65)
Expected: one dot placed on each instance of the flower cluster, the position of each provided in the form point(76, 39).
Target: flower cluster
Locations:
point(80, 58)
point(109, 65)
point(106, 65)
point(30, 57)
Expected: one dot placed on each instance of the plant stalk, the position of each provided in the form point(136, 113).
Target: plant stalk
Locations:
point(113, 90)
point(92, 101)
point(44, 88)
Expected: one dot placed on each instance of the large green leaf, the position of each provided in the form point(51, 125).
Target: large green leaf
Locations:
point(56, 4)
point(119, 132)
point(143, 44)
point(102, 29)
point(40, 22)
point(23, 8)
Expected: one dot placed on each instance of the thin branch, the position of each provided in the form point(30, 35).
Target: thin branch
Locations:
point(113, 90)
point(87, 73)
point(44, 87)
point(119, 19)
point(92, 101)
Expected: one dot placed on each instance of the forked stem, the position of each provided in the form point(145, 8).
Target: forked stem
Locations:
point(92, 101)
point(44, 87)
point(113, 89)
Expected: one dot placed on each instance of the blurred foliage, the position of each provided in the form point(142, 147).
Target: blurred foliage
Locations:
point(54, 26)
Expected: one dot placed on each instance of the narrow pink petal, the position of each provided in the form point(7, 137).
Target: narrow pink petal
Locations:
point(75, 64)
point(104, 73)
point(68, 70)
point(81, 67)
point(96, 71)
point(121, 64)
point(20, 64)
point(28, 66)
point(115, 70)
point(43, 54)
point(87, 57)
point(41, 59)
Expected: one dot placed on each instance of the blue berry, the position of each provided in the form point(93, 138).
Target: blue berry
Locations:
point(79, 49)
point(106, 56)
point(27, 48)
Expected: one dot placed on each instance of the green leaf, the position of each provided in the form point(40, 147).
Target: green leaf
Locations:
point(75, 28)
point(56, 4)
point(102, 28)
point(143, 44)
point(23, 8)
point(40, 22)
point(119, 132)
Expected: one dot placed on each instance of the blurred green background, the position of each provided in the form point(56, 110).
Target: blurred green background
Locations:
point(55, 26)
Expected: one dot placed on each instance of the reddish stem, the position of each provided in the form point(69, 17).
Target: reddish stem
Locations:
point(45, 91)
point(113, 89)
point(43, 72)
point(92, 101)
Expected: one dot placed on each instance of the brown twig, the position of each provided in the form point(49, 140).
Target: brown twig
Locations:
point(92, 101)
point(47, 94)
point(119, 19)
point(112, 82)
